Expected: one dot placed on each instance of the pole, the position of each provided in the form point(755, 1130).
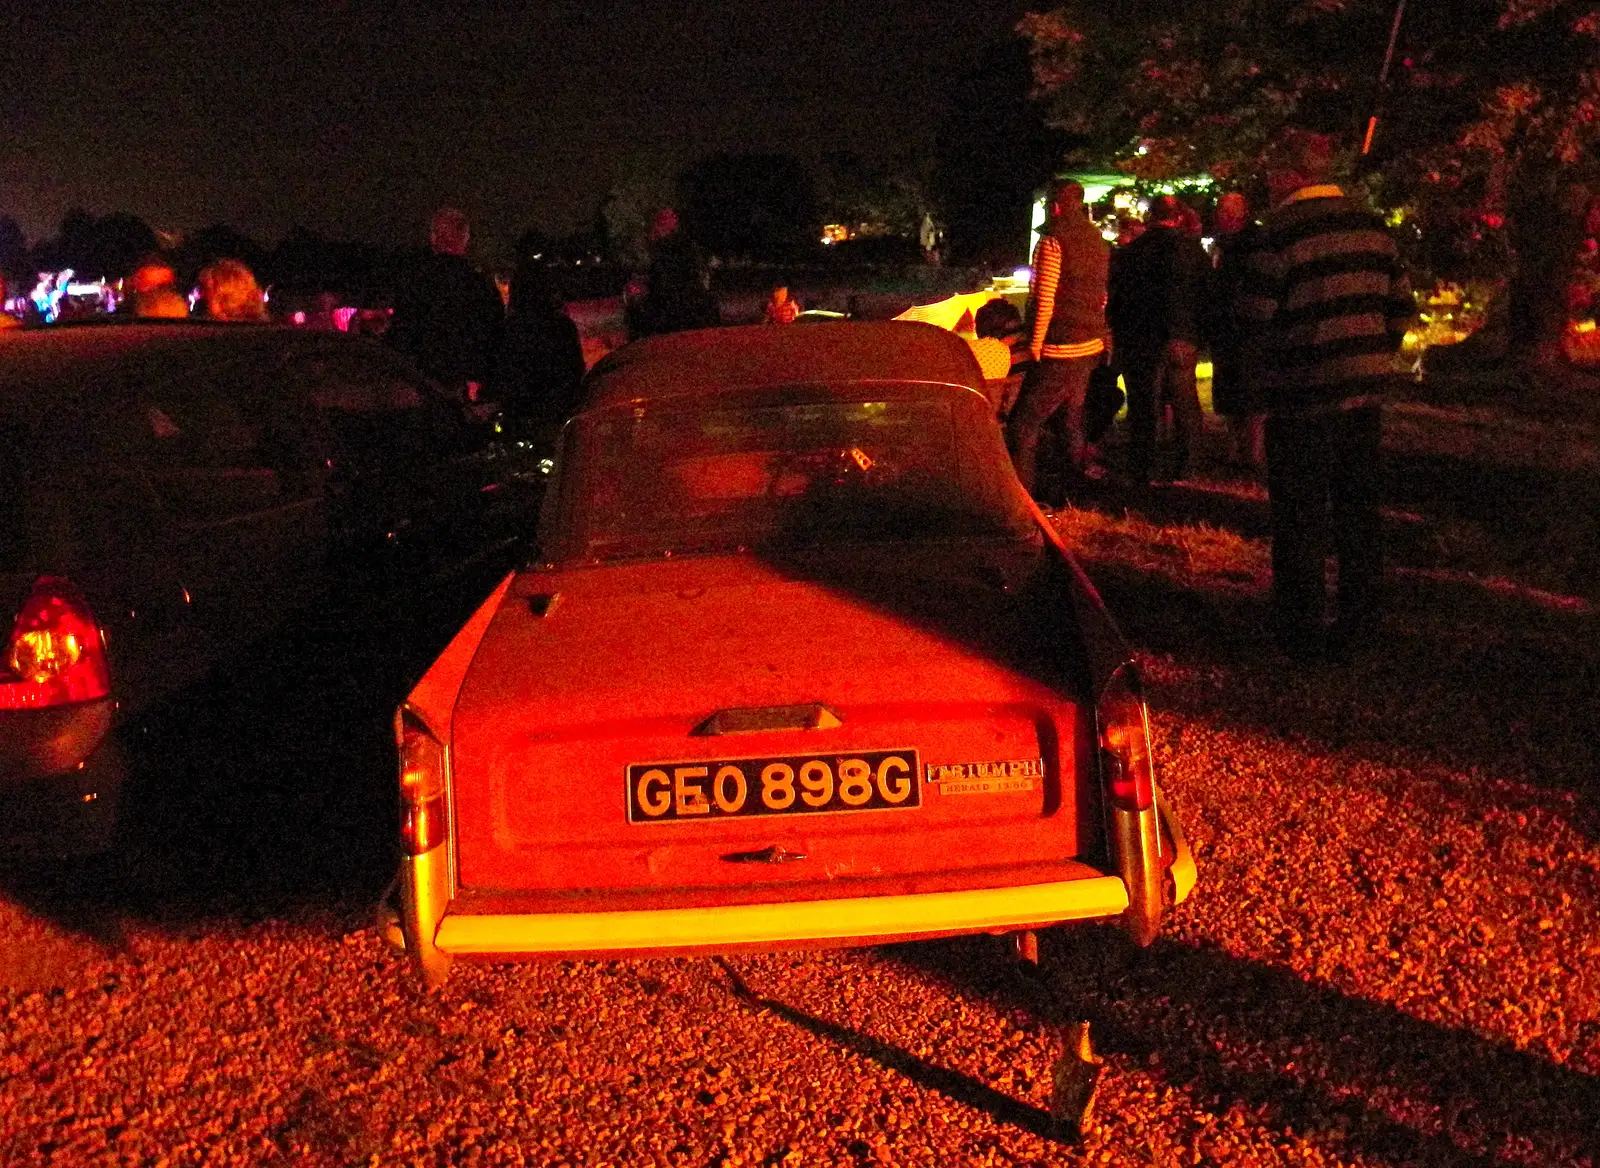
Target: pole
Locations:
point(1383, 76)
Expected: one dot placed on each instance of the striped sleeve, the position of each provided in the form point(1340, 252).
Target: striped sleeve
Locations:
point(1046, 276)
point(1261, 286)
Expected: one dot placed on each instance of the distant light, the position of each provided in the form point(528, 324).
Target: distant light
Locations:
point(299, 318)
point(342, 318)
point(1023, 275)
point(47, 293)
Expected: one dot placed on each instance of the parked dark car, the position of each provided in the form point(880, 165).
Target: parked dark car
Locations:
point(171, 493)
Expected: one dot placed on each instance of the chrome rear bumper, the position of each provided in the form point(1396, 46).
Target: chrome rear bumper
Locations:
point(424, 890)
point(877, 917)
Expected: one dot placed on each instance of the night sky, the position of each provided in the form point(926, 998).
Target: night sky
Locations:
point(356, 119)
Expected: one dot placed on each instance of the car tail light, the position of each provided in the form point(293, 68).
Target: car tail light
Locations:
point(56, 654)
point(422, 785)
point(1125, 743)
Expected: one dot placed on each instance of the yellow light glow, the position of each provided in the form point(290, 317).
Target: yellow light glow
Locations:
point(40, 654)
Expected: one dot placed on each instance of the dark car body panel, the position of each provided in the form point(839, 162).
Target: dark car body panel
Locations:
point(199, 484)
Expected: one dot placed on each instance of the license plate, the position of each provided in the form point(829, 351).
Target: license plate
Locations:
point(806, 784)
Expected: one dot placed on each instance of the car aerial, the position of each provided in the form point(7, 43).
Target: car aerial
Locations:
point(172, 492)
point(797, 662)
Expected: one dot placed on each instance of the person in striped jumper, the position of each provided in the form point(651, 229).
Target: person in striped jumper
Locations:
point(1326, 304)
point(1067, 331)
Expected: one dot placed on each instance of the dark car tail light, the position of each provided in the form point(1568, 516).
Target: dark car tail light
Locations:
point(56, 654)
point(1125, 743)
point(422, 785)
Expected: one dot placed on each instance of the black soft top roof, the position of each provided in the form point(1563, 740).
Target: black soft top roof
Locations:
point(721, 360)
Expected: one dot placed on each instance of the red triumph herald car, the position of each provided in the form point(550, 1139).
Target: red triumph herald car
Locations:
point(799, 663)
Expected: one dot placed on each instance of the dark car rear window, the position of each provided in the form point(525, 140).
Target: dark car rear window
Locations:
point(683, 477)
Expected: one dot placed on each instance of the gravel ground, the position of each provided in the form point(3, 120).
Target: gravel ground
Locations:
point(1393, 955)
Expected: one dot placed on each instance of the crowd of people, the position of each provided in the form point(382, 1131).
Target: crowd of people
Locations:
point(520, 356)
point(1138, 314)
point(1302, 313)
point(225, 291)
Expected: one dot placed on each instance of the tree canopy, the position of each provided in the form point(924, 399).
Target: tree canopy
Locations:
point(1488, 113)
point(1477, 88)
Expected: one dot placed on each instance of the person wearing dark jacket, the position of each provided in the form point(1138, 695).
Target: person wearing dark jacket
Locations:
point(1232, 396)
point(677, 294)
point(539, 370)
point(1067, 331)
point(448, 315)
point(1154, 307)
point(1329, 304)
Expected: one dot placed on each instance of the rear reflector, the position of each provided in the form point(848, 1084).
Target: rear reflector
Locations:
point(56, 654)
point(422, 785)
point(1124, 732)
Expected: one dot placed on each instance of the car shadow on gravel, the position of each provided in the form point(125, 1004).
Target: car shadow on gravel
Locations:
point(1481, 680)
point(1540, 522)
point(1234, 1034)
point(1490, 639)
point(951, 1084)
point(266, 791)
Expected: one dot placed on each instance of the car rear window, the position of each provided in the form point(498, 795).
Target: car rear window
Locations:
point(675, 477)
